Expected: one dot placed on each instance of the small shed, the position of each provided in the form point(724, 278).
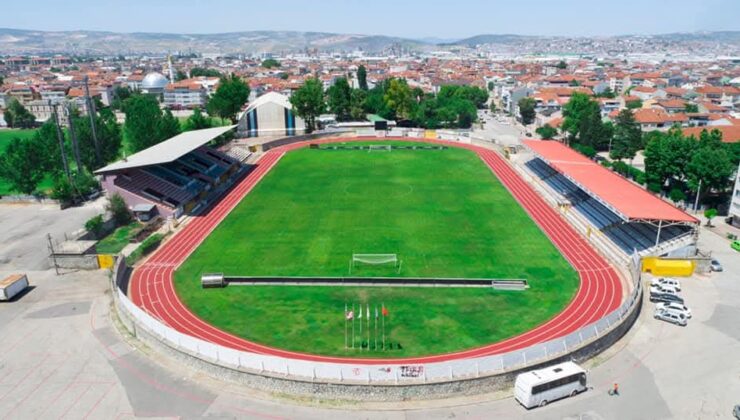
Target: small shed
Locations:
point(144, 212)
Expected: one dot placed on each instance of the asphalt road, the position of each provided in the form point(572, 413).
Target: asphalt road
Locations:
point(62, 357)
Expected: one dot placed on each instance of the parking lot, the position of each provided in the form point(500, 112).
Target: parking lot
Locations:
point(61, 356)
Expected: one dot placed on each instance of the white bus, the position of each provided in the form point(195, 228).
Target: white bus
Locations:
point(539, 387)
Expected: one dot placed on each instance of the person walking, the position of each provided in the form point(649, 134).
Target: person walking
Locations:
point(615, 390)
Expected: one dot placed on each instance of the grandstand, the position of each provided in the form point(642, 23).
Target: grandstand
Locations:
point(632, 218)
point(177, 176)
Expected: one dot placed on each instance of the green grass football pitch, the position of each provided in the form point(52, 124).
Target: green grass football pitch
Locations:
point(441, 211)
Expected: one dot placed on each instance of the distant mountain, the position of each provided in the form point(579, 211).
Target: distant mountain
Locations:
point(507, 39)
point(17, 41)
point(490, 39)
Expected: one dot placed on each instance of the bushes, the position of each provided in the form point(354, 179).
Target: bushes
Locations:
point(676, 195)
point(629, 172)
point(147, 246)
point(588, 151)
point(95, 225)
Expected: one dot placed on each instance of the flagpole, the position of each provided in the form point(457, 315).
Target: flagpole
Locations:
point(383, 311)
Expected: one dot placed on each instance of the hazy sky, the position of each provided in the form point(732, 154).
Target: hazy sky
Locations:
point(407, 18)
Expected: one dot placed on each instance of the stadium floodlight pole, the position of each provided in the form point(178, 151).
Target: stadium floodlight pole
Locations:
point(73, 136)
point(60, 137)
point(91, 113)
point(698, 191)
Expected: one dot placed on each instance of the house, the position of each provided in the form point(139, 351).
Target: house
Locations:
point(270, 115)
point(672, 106)
point(651, 119)
point(186, 94)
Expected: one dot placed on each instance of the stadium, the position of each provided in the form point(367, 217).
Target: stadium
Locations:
point(345, 253)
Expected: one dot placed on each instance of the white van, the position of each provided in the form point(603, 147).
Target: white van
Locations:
point(539, 387)
point(12, 285)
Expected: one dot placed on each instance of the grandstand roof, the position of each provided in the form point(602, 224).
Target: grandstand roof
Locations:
point(617, 193)
point(167, 151)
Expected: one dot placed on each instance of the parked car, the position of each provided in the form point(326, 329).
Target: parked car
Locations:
point(666, 281)
point(671, 316)
point(715, 266)
point(735, 245)
point(675, 306)
point(736, 411)
point(665, 297)
point(663, 288)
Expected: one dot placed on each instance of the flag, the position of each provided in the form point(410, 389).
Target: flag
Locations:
point(350, 315)
point(385, 311)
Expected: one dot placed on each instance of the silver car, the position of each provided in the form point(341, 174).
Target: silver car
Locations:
point(716, 266)
point(673, 317)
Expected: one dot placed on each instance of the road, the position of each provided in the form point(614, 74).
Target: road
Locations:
point(62, 357)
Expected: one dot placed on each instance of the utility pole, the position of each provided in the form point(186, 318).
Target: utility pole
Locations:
point(60, 137)
point(91, 113)
point(51, 253)
point(698, 191)
point(73, 136)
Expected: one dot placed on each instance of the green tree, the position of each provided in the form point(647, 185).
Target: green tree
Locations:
point(231, 95)
point(120, 94)
point(491, 85)
point(180, 75)
point(339, 98)
point(584, 124)
point(17, 116)
point(22, 166)
point(562, 65)
point(526, 110)
point(635, 104)
point(627, 136)
point(197, 121)
point(308, 102)
point(362, 77)
point(108, 134)
point(710, 214)
point(691, 108)
point(142, 126)
point(168, 126)
point(357, 110)
point(676, 195)
point(119, 210)
point(547, 132)
point(204, 72)
point(606, 93)
point(667, 156)
point(398, 97)
point(271, 63)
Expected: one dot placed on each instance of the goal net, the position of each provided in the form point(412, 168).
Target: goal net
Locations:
point(375, 259)
point(379, 148)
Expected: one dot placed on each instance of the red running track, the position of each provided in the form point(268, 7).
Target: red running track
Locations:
point(599, 293)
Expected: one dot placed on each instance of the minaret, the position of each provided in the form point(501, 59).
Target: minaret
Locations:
point(169, 65)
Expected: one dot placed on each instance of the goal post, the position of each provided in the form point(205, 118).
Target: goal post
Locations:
point(375, 259)
point(379, 148)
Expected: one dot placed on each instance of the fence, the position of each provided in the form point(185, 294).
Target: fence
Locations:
point(586, 341)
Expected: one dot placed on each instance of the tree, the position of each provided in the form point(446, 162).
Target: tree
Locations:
point(270, 63)
point(362, 77)
point(339, 97)
point(492, 106)
point(491, 85)
point(180, 75)
point(120, 94)
point(119, 210)
point(142, 122)
point(710, 214)
point(398, 97)
point(231, 95)
point(562, 65)
point(108, 133)
point(676, 195)
point(17, 116)
point(547, 132)
point(584, 124)
point(308, 102)
point(691, 108)
point(357, 111)
point(627, 136)
point(711, 166)
point(526, 110)
point(168, 126)
point(199, 71)
point(22, 166)
point(606, 93)
point(635, 104)
point(197, 121)
point(667, 156)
